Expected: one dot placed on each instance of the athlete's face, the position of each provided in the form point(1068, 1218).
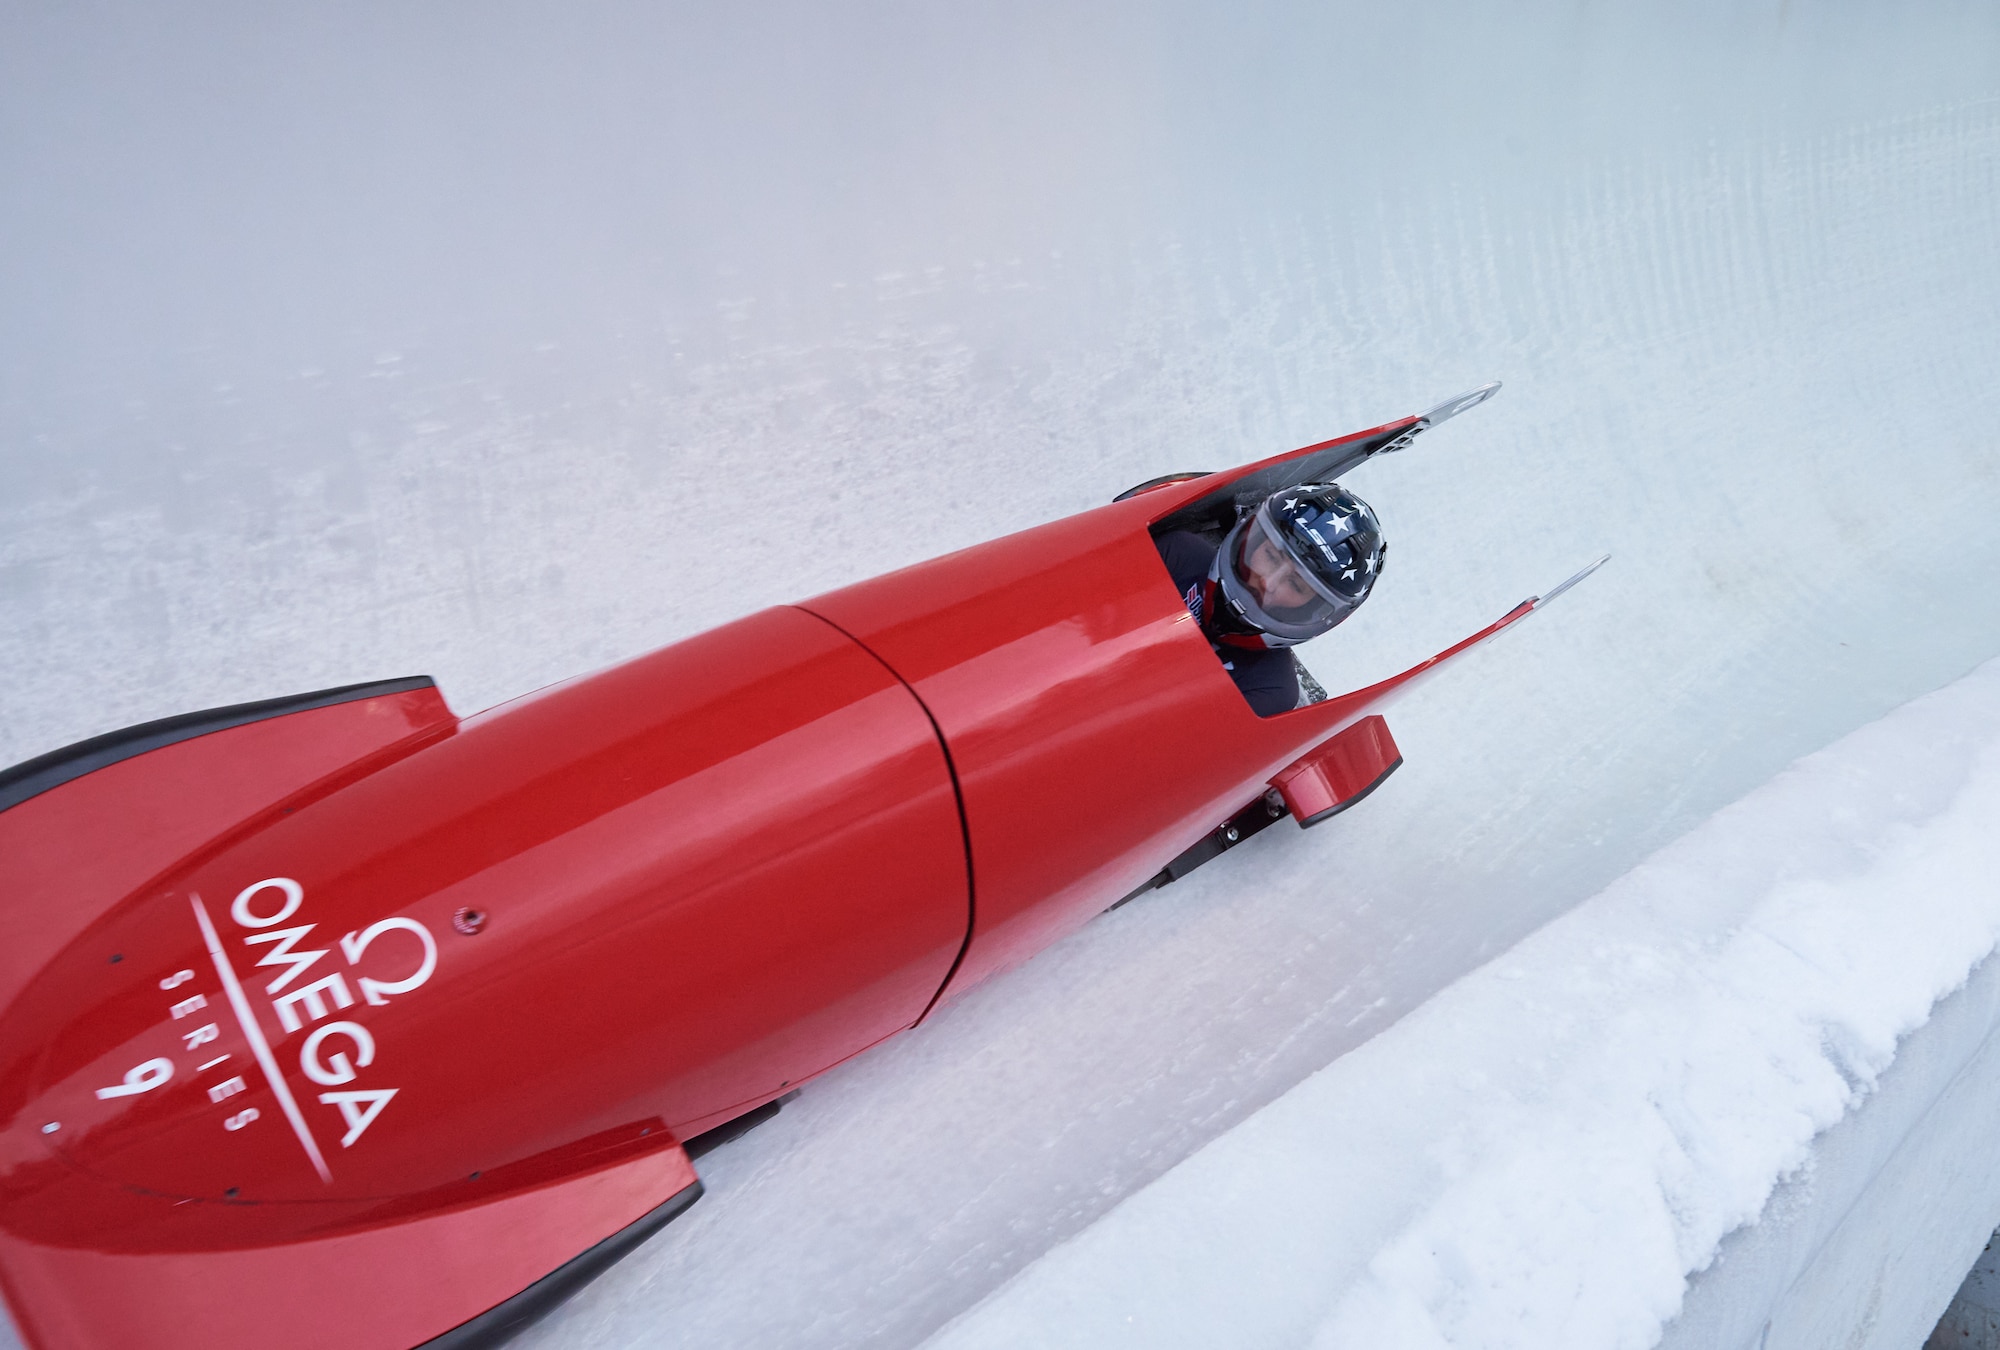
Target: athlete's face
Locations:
point(1271, 575)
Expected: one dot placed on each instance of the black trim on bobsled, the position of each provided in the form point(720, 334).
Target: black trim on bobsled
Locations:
point(1162, 481)
point(1253, 819)
point(36, 776)
point(710, 1140)
point(504, 1321)
point(1338, 807)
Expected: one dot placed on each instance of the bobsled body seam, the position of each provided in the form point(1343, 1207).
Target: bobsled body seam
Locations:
point(958, 799)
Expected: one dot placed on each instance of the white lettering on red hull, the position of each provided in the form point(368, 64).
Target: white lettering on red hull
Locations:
point(333, 1053)
point(247, 1018)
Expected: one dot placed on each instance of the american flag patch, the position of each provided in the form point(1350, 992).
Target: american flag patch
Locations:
point(1193, 601)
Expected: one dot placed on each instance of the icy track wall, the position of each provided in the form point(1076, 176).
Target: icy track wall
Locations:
point(1543, 1153)
point(352, 342)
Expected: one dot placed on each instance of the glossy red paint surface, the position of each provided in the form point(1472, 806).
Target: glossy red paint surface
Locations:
point(708, 873)
point(1337, 772)
point(73, 852)
point(398, 1283)
point(1094, 732)
point(257, 1072)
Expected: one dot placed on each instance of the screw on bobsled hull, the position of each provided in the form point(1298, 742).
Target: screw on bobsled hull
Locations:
point(264, 1066)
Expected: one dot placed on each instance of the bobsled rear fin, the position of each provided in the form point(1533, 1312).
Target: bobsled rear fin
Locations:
point(87, 825)
point(500, 1324)
point(453, 1277)
point(57, 767)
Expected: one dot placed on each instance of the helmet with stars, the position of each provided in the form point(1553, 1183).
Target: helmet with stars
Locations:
point(1299, 564)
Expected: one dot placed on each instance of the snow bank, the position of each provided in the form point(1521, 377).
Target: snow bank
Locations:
point(1863, 1247)
point(1543, 1154)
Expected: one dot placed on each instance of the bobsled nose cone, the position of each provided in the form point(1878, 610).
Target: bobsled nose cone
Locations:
point(131, 1064)
point(176, 1167)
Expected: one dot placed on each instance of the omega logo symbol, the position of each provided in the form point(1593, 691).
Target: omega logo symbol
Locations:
point(334, 1052)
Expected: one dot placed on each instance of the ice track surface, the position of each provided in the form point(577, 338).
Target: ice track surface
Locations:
point(350, 343)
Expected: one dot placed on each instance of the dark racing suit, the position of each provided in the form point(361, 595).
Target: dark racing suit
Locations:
point(1268, 676)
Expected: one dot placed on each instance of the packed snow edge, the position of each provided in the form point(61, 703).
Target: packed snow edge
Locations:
point(1547, 1151)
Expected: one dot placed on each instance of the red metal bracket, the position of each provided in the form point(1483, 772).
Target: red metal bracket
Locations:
point(1337, 773)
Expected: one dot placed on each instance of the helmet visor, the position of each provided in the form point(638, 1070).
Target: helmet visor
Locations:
point(1287, 602)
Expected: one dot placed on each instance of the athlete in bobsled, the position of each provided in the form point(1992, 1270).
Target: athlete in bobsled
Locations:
point(1288, 571)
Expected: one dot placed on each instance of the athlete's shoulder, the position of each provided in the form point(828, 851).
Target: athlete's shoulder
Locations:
point(1186, 555)
point(1269, 679)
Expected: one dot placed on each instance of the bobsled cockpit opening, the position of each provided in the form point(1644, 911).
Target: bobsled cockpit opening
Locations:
point(1188, 537)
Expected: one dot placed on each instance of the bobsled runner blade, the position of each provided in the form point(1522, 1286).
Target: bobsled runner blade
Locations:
point(1465, 402)
point(1401, 684)
point(1541, 600)
point(1212, 501)
point(1443, 412)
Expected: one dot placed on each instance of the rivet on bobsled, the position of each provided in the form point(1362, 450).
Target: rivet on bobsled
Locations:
point(341, 1021)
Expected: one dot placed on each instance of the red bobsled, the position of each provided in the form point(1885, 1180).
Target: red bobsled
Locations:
point(342, 1021)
